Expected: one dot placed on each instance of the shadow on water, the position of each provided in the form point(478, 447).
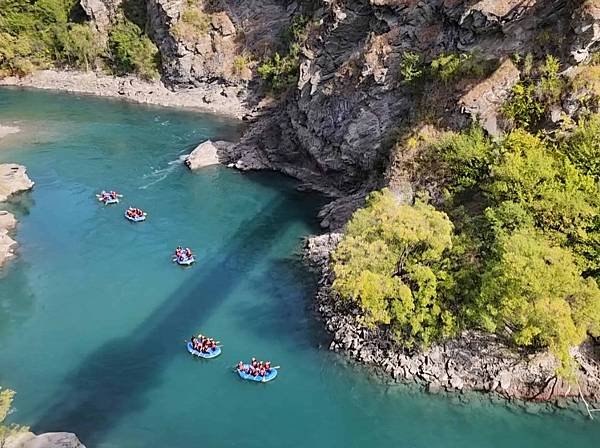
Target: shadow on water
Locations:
point(111, 381)
point(289, 317)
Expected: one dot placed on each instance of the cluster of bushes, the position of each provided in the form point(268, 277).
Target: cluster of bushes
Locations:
point(514, 249)
point(280, 71)
point(447, 67)
point(43, 33)
point(532, 97)
point(131, 51)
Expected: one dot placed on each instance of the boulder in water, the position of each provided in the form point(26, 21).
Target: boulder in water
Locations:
point(46, 440)
point(13, 179)
point(206, 154)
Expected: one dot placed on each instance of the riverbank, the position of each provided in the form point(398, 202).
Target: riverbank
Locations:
point(229, 101)
point(475, 361)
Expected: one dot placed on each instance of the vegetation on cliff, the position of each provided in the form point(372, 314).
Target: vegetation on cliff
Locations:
point(280, 71)
point(520, 252)
point(45, 33)
point(7, 430)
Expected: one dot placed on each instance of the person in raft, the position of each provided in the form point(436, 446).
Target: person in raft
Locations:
point(135, 212)
point(203, 344)
point(108, 195)
point(183, 254)
point(255, 368)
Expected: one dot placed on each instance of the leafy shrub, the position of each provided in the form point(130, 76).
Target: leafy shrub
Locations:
point(131, 51)
point(411, 67)
point(280, 71)
point(582, 146)
point(551, 85)
point(527, 237)
point(29, 33)
point(389, 262)
point(241, 65)
point(523, 108)
point(467, 157)
point(452, 66)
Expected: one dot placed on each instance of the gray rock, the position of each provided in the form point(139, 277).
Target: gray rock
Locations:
point(13, 179)
point(46, 440)
point(205, 154)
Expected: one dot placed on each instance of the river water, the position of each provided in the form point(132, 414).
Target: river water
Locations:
point(93, 314)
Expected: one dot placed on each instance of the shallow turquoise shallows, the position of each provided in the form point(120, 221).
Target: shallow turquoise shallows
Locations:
point(93, 313)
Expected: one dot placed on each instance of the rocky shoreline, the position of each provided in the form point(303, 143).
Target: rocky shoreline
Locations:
point(13, 179)
point(474, 361)
point(231, 101)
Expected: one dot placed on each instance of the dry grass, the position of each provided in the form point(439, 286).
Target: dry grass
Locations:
point(192, 24)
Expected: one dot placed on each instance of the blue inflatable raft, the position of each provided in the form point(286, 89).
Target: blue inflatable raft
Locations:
point(259, 379)
point(136, 218)
point(212, 353)
point(184, 261)
point(102, 197)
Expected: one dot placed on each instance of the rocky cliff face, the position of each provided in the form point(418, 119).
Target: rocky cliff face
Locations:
point(332, 130)
point(223, 32)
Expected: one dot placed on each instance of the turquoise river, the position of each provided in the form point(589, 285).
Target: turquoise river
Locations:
point(93, 314)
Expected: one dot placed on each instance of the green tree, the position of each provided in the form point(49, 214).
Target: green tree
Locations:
point(131, 51)
point(389, 261)
point(80, 46)
point(534, 293)
point(582, 146)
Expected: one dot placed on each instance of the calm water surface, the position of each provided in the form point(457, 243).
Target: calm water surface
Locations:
point(93, 314)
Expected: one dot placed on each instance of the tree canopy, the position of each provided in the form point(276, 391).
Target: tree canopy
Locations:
point(389, 261)
point(514, 247)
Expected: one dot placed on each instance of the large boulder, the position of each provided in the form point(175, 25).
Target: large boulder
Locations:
point(47, 440)
point(102, 12)
point(484, 100)
point(13, 179)
point(206, 154)
point(585, 23)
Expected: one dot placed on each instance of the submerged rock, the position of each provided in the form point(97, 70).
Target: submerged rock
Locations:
point(47, 440)
point(13, 179)
point(7, 130)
